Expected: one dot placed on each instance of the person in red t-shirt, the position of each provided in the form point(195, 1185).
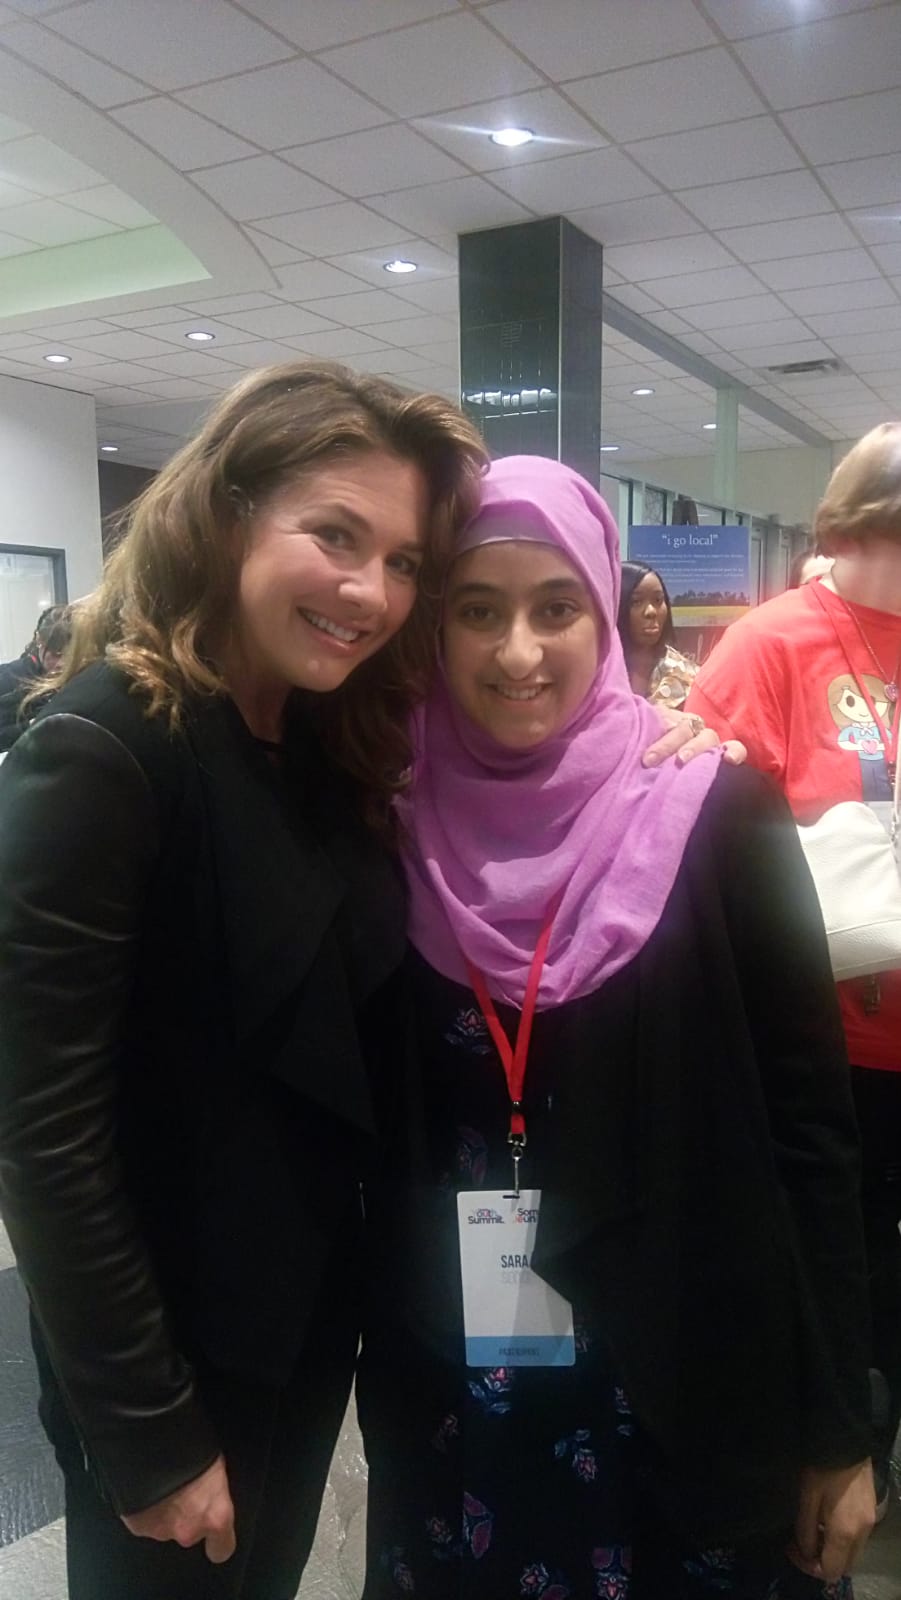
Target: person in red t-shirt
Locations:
point(787, 680)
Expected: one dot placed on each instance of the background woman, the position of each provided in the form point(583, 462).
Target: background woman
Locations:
point(657, 670)
point(198, 936)
point(685, 1114)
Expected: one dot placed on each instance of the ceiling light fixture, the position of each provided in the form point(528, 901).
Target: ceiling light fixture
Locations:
point(200, 336)
point(109, 449)
point(642, 391)
point(512, 138)
point(709, 427)
point(57, 360)
point(605, 447)
point(399, 265)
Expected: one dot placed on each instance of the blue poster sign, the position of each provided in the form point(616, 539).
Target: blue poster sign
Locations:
point(707, 570)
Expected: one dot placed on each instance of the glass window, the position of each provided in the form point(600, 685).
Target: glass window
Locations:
point(654, 506)
point(29, 583)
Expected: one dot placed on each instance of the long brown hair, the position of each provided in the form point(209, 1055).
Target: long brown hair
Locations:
point(172, 582)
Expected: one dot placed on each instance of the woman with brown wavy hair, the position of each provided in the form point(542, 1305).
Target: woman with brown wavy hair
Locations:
point(199, 937)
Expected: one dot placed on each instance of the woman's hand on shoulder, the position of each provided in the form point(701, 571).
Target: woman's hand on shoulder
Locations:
point(199, 1512)
point(836, 1515)
point(687, 736)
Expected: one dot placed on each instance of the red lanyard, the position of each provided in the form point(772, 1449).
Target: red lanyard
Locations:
point(514, 1059)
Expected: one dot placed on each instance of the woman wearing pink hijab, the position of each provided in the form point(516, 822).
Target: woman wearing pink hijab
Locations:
point(618, 1345)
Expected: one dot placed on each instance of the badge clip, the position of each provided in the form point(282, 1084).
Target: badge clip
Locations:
point(517, 1143)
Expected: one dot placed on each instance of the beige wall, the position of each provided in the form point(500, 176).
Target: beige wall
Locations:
point(786, 482)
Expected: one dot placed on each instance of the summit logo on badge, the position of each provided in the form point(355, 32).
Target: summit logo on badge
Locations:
point(485, 1214)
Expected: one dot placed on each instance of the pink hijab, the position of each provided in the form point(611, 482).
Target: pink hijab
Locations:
point(494, 835)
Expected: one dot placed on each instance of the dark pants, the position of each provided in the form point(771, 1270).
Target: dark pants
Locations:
point(877, 1097)
point(277, 1443)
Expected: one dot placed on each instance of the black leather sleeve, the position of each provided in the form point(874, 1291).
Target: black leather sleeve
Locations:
point(79, 839)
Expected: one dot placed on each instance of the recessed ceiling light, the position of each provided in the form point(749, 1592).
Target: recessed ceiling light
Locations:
point(642, 391)
point(512, 138)
point(399, 265)
point(200, 336)
point(609, 447)
point(57, 360)
point(709, 427)
point(109, 449)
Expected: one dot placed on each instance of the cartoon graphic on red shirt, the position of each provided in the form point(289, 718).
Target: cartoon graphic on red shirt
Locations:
point(859, 733)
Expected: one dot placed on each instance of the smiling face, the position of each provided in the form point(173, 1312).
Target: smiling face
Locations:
point(521, 640)
point(329, 576)
point(647, 612)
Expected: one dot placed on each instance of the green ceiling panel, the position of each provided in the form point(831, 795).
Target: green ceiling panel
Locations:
point(96, 269)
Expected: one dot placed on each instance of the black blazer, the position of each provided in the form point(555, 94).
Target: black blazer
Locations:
point(700, 1177)
point(195, 953)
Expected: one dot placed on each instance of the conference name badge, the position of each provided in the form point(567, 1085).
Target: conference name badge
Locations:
point(512, 1318)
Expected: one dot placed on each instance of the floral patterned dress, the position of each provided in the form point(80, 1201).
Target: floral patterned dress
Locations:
point(506, 1482)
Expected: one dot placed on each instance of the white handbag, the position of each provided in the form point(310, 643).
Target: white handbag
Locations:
point(853, 856)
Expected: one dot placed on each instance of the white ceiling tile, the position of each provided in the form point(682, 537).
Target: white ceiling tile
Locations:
point(261, 186)
point(698, 252)
point(277, 322)
point(871, 181)
point(125, 345)
point(700, 288)
point(873, 359)
point(285, 105)
point(859, 319)
point(416, 331)
point(337, 344)
point(570, 183)
point(635, 221)
point(559, 130)
point(740, 19)
point(689, 91)
point(373, 162)
point(78, 355)
point(195, 363)
point(806, 272)
point(441, 296)
point(635, 299)
point(827, 60)
point(421, 70)
point(771, 355)
point(122, 373)
point(331, 230)
point(388, 362)
point(858, 344)
point(176, 389)
point(727, 314)
point(579, 39)
point(220, 305)
point(81, 73)
point(274, 251)
point(370, 264)
point(170, 44)
point(888, 256)
point(261, 353)
point(840, 297)
point(60, 330)
point(36, 164)
point(841, 130)
point(877, 224)
point(22, 341)
point(184, 138)
point(746, 149)
point(117, 395)
point(50, 222)
point(769, 241)
point(314, 280)
point(355, 310)
point(142, 319)
point(749, 200)
point(113, 205)
point(668, 322)
point(11, 194)
point(747, 336)
point(443, 352)
point(10, 129)
point(460, 206)
point(316, 24)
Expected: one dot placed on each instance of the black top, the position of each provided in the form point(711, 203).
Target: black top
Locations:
point(691, 1127)
point(195, 948)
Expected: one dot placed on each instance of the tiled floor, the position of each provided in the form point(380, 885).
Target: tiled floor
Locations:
point(32, 1564)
